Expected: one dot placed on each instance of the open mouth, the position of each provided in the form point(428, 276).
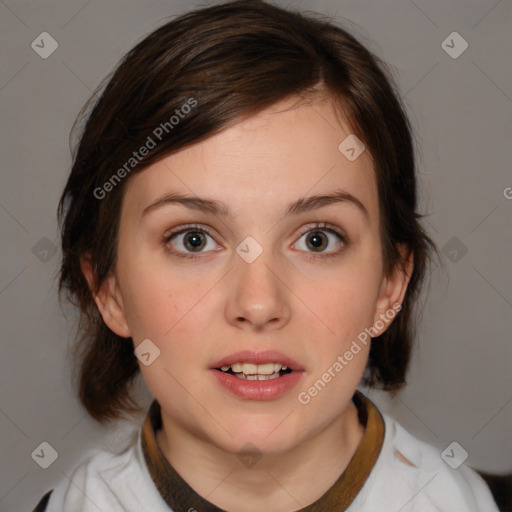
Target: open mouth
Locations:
point(258, 376)
point(250, 371)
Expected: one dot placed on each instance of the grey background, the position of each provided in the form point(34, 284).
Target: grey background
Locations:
point(460, 380)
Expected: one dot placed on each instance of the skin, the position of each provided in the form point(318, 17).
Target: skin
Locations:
point(306, 305)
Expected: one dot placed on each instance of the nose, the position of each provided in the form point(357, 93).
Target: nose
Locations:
point(258, 298)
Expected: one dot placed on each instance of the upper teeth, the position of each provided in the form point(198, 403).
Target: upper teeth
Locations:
point(255, 369)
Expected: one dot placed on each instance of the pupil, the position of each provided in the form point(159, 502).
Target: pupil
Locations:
point(194, 240)
point(317, 240)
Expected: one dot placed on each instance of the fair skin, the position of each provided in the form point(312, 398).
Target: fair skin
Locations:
point(304, 304)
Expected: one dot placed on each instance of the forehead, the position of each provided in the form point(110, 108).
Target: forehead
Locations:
point(287, 151)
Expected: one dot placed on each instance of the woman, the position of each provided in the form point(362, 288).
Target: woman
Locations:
point(240, 225)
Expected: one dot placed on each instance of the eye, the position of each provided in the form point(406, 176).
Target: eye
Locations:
point(319, 237)
point(188, 240)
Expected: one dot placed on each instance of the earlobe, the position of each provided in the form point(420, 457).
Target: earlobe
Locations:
point(393, 288)
point(108, 299)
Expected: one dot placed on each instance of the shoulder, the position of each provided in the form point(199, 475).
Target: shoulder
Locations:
point(107, 480)
point(414, 477)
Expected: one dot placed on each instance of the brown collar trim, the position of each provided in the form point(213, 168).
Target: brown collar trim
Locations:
point(181, 497)
point(346, 488)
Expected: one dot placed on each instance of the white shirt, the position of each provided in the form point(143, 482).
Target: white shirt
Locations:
point(112, 482)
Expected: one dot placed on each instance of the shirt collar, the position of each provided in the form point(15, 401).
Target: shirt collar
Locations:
point(181, 497)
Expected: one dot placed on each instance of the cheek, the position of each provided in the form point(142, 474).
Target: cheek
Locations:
point(347, 303)
point(151, 308)
point(169, 312)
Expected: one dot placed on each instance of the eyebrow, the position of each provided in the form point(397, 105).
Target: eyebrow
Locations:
point(220, 209)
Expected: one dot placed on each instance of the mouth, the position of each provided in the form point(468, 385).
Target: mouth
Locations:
point(264, 375)
point(251, 371)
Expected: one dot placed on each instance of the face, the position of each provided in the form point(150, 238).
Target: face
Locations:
point(260, 245)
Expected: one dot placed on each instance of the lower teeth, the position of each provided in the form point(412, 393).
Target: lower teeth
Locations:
point(242, 376)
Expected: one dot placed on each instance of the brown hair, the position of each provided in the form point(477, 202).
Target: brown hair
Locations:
point(234, 60)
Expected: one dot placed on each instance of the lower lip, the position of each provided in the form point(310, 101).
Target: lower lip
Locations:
point(258, 389)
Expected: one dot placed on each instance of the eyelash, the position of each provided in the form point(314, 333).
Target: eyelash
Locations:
point(196, 227)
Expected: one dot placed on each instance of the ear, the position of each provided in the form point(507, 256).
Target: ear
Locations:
point(392, 291)
point(108, 299)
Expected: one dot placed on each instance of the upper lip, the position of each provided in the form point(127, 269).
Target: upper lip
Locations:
point(258, 357)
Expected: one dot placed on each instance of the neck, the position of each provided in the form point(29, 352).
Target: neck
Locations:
point(275, 483)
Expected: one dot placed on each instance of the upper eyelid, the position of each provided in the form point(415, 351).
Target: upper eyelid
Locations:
point(188, 227)
point(322, 226)
point(205, 227)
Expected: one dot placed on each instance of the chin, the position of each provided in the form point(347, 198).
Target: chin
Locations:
point(262, 434)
